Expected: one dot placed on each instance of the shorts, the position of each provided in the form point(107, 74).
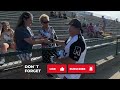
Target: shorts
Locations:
point(69, 76)
point(25, 56)
point(9, 42)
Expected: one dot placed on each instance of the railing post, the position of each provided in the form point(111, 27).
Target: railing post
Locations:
point(117, 46)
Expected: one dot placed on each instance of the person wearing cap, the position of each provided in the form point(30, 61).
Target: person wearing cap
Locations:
point(74, 48)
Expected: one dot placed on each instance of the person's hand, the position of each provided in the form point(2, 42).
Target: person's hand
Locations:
point(45, 40)
point(53, 59)
point(52, 40)
point(43, 37)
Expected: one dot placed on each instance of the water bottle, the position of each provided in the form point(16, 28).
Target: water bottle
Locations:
point(61, 53)
point(58, 54)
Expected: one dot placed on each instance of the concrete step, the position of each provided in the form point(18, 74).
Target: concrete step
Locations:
point(38, 23)
point(13, 17)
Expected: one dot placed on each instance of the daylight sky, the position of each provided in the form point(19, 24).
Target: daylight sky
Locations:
point(112, 14)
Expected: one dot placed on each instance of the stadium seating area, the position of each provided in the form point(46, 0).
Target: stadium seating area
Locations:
point(59, 24)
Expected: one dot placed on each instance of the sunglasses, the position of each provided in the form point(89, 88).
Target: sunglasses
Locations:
point(45, 22)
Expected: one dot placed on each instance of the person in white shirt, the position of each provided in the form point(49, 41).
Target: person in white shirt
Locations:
point(74, 50)
point(97, 30)
point(47, 31)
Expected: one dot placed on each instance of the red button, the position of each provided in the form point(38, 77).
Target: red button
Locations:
point(57, 68)
point(81, 68)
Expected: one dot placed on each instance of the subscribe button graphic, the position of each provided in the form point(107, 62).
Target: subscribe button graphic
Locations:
point(81, 68)
point(71, 68)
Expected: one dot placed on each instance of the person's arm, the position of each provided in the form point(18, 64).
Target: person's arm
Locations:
point(38, 41)
point(59, 42)
point(28, 38)
point(55, 39)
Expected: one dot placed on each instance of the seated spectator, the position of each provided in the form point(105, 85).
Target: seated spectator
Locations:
point(97, 30)
point(51, 14)
point(64, 16)
point(55, 14)
point(59, 15)
point(6, 36)
point(91, 30)
point(74, 16)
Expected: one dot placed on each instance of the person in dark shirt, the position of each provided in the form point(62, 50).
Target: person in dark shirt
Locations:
point(104, 23)
point(24, 37)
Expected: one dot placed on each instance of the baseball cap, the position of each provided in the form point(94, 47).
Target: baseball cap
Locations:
point(76, 23)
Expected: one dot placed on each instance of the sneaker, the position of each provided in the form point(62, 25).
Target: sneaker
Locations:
point(2, 61)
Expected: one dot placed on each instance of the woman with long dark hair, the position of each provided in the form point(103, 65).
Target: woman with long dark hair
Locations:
point(24, 37)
